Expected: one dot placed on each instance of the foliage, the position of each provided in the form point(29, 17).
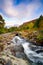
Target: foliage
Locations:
point(41, 31)
point(1, 30)
point(40, 37)
point(36, 24)
point(11, 29)
point(2, 23)
point(31, 25)
point(23, 28)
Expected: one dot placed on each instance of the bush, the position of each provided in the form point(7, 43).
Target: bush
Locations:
point(2, 30)
point(40, 37)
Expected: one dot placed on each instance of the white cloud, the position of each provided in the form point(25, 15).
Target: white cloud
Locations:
point(9, 9)
point(22, 12)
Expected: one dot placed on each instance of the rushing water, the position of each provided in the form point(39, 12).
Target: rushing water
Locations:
point(34, 53)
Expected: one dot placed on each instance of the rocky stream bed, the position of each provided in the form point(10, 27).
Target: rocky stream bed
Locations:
point(13, 53)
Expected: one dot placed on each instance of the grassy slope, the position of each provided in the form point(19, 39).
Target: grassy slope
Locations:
point(30, 25)
point(33, 30)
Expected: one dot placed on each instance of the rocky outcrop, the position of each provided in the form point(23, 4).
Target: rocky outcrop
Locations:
point(12, 54)
point(11, 60)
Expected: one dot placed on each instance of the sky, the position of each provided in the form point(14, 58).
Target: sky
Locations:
point(16, 12)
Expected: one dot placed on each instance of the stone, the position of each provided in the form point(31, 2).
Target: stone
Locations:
point(9, 62)
point(20, 55)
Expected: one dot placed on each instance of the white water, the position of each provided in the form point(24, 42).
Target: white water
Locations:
point(30, 49)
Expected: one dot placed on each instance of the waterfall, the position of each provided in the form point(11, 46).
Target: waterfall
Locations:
point(33, 52)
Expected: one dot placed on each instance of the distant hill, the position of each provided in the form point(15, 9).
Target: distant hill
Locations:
point(36, 24)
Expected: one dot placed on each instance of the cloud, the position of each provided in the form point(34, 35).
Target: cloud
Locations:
point(21, 12)
point(9, 9)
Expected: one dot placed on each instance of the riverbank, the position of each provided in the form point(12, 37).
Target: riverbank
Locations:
point(11, 54)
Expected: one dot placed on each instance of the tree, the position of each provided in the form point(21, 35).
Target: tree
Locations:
point(11, 29)
point(36, 25)
point(2, 23)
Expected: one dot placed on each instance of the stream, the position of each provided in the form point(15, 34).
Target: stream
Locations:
point(34, 53)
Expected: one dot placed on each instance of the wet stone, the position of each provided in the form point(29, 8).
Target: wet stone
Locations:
point(20, 55)
point(9, 62)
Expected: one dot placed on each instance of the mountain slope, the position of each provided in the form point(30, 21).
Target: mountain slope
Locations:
point(36, 24)
point(33, 30)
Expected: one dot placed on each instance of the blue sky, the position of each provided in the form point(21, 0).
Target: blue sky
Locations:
point(16, 12)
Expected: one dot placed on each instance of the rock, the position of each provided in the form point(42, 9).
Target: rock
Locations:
point(9, 62)
point(2, 61)
point(14, 49)
point(8, 43)
point(10, 52)
point(20, 55)
point(1, 47)
point(18, 48)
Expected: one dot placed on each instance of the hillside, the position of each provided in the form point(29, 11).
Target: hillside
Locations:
point(36, 24)
point(33, 30)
